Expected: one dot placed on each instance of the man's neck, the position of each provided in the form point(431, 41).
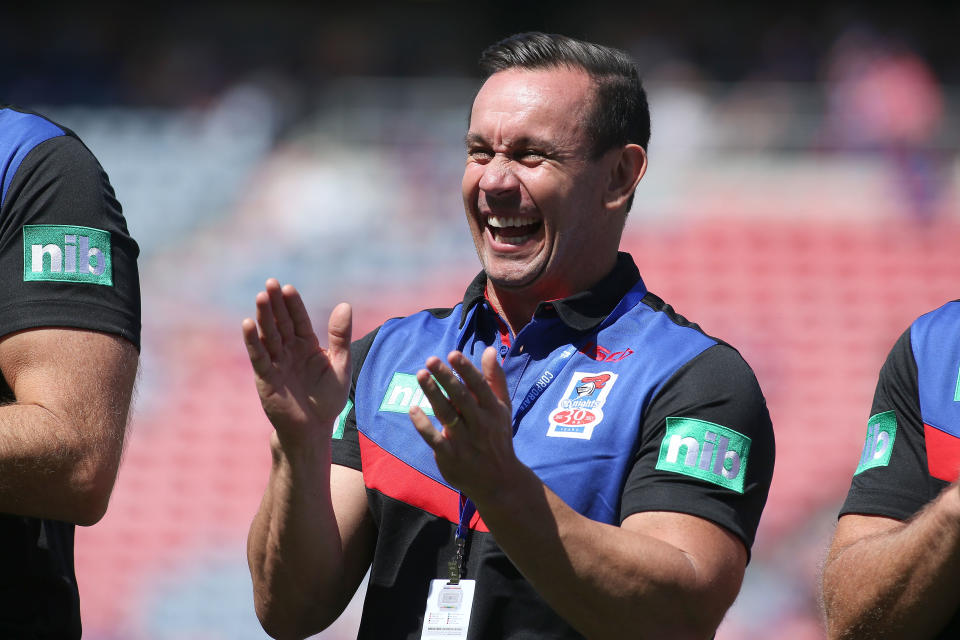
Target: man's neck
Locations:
point(517, 306)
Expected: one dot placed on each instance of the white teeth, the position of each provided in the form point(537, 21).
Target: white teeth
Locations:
point(501, 222)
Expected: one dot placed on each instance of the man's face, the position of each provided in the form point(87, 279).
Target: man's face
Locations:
point(532, 194)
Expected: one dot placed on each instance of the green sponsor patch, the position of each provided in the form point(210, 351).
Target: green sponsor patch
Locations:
point(63, 253)
point(705, 450)
point(956, 393)
point(881, 432)
point(342, 421)
point(405, 392)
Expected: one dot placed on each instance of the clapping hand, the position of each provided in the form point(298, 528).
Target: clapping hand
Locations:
point(302, 386)
point(474, 451)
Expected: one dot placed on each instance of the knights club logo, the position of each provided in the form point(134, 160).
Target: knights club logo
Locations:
point(581, 408)
point(589, 385)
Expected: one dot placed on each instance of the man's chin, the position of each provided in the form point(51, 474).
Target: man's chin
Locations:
point(514, 271)
point(514, 279)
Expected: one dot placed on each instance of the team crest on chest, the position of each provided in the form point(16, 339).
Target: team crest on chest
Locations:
point(581, 408)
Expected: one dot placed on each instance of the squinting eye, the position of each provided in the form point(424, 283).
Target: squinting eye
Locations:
point(479, 155)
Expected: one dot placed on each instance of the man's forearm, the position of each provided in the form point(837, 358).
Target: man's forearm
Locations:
point(301, 565)
point(898, 583)
point(605, 580)
point(51, 467)
point(61, 440)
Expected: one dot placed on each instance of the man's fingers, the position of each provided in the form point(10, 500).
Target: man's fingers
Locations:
point(459, 396)
point(259, 357)
point(339, 330)
point(302, 326)
point(476, 381)
point(268, 325)
point(445, 412)
point(494, 376)
point(427, 431)
point(278, 304)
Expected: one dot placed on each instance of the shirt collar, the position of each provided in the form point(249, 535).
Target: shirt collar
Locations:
point(582, 311)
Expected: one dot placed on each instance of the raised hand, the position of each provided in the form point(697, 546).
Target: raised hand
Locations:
point(302, 386)
point(474, 451)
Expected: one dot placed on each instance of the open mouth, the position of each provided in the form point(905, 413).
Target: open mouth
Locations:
point(512, 230)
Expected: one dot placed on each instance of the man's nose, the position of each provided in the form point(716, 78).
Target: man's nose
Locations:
point(498, 176)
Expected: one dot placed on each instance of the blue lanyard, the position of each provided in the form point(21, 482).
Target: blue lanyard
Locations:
point(554, 367)
point(467, 508)
point(552, 372)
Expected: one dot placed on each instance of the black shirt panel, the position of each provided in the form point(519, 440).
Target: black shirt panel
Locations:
point(718, 387)
point(397, 589)
point(38, 591)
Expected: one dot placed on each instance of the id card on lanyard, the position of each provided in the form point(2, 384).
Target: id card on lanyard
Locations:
point(448, 610)
point(450, 600)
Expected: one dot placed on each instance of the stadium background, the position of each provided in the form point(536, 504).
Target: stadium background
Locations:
point(801, 203)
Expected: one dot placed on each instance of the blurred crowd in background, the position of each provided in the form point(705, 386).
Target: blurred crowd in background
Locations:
point(187, 54)
point(801, 203)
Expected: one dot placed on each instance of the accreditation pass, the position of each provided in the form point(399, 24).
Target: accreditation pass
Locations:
point(448, 610)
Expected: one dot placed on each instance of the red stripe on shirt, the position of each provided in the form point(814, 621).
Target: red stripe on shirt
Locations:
point(943, 453)
point(384, 472)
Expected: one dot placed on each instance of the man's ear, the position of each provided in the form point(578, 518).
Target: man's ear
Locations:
point(625, 174)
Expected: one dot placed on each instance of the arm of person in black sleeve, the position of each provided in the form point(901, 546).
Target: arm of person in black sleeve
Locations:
point(892, 565)
point(70, 327)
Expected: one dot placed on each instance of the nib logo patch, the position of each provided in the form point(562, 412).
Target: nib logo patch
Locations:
point(705, 450)
point(881, 434)
point(404, 392)
point(63, 253)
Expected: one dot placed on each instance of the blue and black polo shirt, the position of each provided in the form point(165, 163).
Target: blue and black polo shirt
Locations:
point(647, 414)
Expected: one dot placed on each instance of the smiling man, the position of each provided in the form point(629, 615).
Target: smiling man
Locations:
point(582, 462)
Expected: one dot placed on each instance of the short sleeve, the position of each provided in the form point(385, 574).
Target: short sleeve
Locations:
point(707, 446)
point(346, 439)
point(66, 256)
point(893, 482)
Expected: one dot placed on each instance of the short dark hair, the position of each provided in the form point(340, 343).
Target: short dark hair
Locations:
point(620, 114)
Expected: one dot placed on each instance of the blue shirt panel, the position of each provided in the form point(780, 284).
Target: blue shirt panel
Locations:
point(936, 349)
point(588, 474)
point(402, 346)
point(20, 133)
